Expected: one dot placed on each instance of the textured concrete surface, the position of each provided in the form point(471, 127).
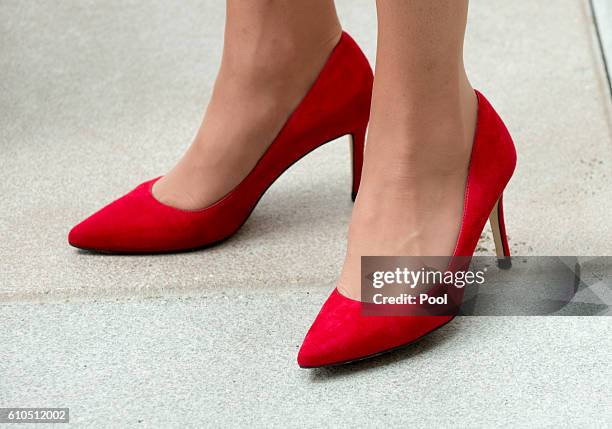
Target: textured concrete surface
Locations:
point(99, 96)
point(165, 363)
point(96, 97)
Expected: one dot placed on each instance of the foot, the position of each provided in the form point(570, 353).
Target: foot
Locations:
point(411, 198)
point(256, 91)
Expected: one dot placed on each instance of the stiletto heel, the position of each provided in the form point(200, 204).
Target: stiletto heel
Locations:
point(357, 148)
point(498, 226)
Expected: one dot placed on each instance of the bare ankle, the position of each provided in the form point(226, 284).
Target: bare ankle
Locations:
point(423, 136)
point(278, 59)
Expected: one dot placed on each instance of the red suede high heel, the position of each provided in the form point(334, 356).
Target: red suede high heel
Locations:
point(337, 104)
point(342, 334)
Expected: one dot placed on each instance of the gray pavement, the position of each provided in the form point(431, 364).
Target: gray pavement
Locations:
point(96, 97)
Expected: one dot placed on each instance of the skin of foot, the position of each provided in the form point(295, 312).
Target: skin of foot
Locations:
point(421, 131)
point(273, 53)
point(422, 126)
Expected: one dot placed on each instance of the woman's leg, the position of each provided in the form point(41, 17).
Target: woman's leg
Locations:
point(273, 52)
point(421, 129)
